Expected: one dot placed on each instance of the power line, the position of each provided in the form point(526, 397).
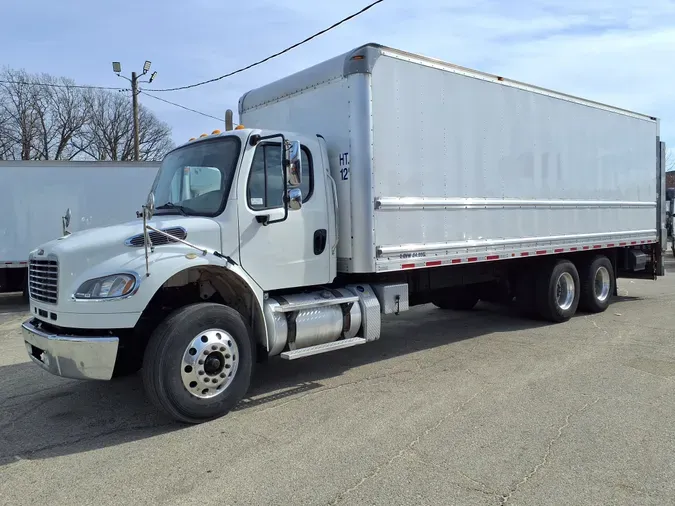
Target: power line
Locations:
point(289, 48)
point(54, 85)
point(181, 106)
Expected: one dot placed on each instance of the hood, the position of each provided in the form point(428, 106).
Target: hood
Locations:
point(96, 245)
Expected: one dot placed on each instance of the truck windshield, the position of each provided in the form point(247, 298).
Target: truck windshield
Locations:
point(195, 179)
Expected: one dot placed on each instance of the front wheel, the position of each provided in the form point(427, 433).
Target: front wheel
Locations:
point(198, 363)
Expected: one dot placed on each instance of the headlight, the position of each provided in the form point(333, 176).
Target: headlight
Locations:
point(108, 287)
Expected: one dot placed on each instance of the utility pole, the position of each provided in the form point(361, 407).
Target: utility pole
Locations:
point(117, 69)
point(134, 94)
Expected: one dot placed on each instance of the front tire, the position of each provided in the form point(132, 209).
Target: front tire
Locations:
point(198, 363)
point(557, 291)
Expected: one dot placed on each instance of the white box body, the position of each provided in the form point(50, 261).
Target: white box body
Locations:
point(436, 164)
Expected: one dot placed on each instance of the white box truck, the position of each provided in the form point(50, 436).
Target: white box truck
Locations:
point(37, 196)
point(369, 183)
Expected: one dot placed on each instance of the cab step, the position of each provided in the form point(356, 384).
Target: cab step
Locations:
point(322, 348)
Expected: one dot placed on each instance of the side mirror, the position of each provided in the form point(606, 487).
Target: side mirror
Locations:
point(65, 221)
point(149, 208)
point(294, 199)
point(293, 160)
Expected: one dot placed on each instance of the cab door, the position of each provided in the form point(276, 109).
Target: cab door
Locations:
point(293, 249)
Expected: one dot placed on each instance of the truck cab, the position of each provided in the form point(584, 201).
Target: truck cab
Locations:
point(256, 207)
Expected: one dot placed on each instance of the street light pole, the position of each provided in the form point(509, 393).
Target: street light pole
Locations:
point(117, 68)
point(134, 93)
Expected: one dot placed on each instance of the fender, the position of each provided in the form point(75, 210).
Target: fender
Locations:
point(164, 263)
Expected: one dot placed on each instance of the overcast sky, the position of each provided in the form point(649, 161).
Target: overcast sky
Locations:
point(621, 52)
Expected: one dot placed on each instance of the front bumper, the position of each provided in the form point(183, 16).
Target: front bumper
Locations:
point(78, 357)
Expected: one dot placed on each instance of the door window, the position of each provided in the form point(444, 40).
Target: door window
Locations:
point(266, 181)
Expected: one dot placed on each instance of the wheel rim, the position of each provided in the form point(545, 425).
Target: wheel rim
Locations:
point(602, 284)
point(565, 291)
point(209, 363)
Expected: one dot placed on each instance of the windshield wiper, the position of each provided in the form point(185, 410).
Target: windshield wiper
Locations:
point(171, 205)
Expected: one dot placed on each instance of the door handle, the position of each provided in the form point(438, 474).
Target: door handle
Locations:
point(320, 241)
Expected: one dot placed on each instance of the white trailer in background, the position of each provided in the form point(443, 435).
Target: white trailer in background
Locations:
point(35, 196)
point(358, 187)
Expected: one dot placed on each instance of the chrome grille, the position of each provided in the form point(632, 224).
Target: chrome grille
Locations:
point(43, 280)
point(157, 239)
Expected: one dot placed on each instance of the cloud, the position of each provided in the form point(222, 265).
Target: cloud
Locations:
point(614, 52)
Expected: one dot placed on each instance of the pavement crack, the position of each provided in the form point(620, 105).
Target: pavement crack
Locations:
point(549, 448)
point(376, 470)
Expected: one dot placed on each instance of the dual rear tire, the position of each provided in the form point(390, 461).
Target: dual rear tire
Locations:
point(553, 290)
point(560, 289)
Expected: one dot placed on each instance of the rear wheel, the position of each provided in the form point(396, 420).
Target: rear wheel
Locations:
point(198, 363)
point(557, 291)
point(597, 284)
point(462, 298)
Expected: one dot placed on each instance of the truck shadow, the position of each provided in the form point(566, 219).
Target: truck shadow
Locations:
point(42, 416)
point(12, 303)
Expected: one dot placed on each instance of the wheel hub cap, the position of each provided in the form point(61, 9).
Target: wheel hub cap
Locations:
point(209, 363)
point(602, 283)
point(565, 291)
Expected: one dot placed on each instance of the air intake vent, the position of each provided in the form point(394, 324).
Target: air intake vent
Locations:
point(138, 241)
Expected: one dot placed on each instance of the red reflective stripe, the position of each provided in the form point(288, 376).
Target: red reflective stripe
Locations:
point(611, 245)
point(587, 247)
point(633, 242)
point(408, 266)
point(622, 244)
point(596, 246)
point(493, 257)
point(541, 252)
point(472, 259)
point(559, 250)
point(456, 260)
point(524, 254)
point(573, 249)
point(434, 263)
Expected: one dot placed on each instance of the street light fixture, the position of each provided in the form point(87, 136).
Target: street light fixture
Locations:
point(146, 67)
point(117, 67)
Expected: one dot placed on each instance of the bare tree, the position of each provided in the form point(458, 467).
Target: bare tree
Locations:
point(62, 113)
point(46, 118)
point(108, 122)
point(154, 136)
point(108, 133)
point(17, 106)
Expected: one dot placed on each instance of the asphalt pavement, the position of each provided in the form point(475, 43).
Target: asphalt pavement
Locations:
point(479, 408)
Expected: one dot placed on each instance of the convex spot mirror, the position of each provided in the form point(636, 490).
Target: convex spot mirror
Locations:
point(294, 199)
